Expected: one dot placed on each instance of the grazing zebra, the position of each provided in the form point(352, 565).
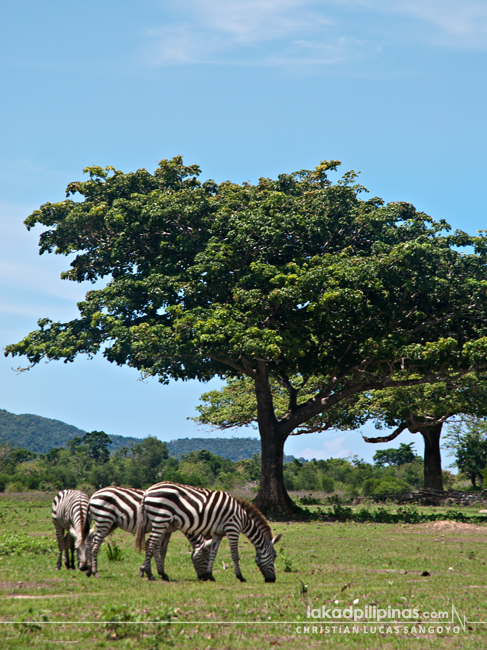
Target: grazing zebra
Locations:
point(116, 507)
point(197, 511)
point(69, 513)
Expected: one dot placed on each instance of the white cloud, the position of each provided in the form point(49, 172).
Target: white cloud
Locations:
point(458, 24)
point(260, 20)
point(333, 449)
point(307, 32)
point(247, 32)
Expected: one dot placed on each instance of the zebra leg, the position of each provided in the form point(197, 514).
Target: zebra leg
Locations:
point(215, 543)
point(60, 545)
point(142, 570)
point(97, 541)
point(66, 550)
point(160, 556)
point(153, 545)
point(233, 542)
point(70, 550)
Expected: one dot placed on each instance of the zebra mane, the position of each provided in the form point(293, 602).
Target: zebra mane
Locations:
point(256, 515)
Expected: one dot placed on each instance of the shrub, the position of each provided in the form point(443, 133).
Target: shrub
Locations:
point(307, 478)
point(327, 483)
point(114, 552)
point(17, 482)
point(4, 479)
point(369, 486)
point(289, 480)
point(309, 500)
point(124, 620)
point(226, 480)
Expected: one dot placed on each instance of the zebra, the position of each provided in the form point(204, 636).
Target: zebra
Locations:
point(69, 513)
point(116, 507)
point(198, 511)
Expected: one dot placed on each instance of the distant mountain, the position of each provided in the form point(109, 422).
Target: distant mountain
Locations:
point(39, 434)
point(233, 448)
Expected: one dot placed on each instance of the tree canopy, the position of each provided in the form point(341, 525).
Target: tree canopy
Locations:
point(296, 279)
point(468, 439)
point(404, 454)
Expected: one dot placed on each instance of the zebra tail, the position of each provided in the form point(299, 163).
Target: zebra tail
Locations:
point(141, 524)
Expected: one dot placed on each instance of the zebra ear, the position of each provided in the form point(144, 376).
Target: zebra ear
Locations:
point(276, 539)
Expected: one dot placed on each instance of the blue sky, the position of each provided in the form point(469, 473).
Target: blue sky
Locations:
point(244, 88)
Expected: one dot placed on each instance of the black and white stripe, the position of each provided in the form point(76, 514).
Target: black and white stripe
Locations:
point(70, 514)
point(116, 507)
point(196, 511)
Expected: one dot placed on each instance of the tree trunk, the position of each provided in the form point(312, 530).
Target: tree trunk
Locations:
point(272, 498)
point(433, 477)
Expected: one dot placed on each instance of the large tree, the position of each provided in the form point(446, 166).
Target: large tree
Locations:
point(425, 409)
point(296, 279)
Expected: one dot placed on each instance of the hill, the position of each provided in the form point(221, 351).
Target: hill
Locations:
point(39, 434)
point(232, 448)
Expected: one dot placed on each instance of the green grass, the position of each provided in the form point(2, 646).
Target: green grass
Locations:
point(317, 564)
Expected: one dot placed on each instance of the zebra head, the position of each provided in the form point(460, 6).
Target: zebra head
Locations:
point(265, 557)
point(83, 550)
point(200, 557)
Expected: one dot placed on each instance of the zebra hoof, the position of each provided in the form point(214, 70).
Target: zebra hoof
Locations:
point(241, 578)
point(165, 577)
point(207, 576)
point(151, 578)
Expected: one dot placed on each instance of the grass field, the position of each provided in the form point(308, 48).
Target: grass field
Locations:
point(336, 565)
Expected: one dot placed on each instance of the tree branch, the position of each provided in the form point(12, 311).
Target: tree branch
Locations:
point(393, 435)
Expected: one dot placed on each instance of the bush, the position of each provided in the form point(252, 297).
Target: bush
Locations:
point(309, 500)
point(327, 483)
point(308, 478)
point(226, 480)
point(15, 486)
point(369, 486)
point(4, 479)
point(123, 620)
point(114, 552)
point(390, 485)
point(289, 480)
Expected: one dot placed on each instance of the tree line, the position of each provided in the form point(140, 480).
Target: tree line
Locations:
point(87, 464)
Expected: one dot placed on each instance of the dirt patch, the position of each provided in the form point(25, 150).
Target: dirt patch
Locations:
point(45, 596)
point(7, 584)
point(27, 496)
point(400, 571)
point(29, 597)
point(448, 527)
